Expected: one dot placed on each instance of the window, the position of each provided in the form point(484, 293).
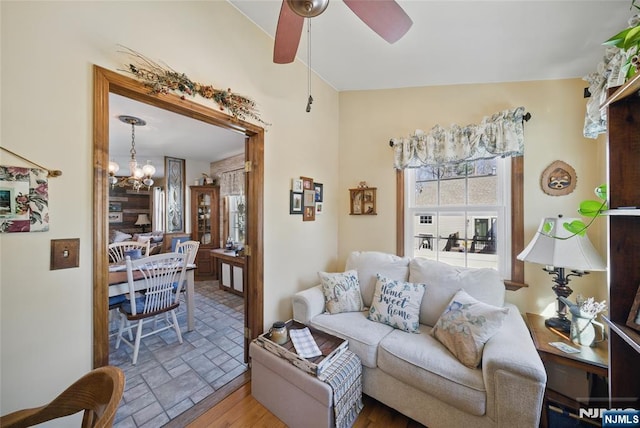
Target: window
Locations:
point(460, 214)
point(426, 219)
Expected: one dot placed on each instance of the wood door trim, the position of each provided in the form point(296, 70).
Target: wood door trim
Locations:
point(106, 81)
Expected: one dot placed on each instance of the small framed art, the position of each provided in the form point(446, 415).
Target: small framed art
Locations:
point(363, 201)
point(633, 320)
point(115, 217)
point(318, 187)
point(295, 203)
point(309, 213)
point(307, 183)
point(296, 185)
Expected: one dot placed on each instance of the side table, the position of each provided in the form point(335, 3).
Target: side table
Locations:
point(593, 360)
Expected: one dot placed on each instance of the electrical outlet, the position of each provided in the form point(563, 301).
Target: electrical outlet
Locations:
point(65, 253)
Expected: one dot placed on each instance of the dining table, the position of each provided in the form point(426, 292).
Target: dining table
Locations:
point(119, 284)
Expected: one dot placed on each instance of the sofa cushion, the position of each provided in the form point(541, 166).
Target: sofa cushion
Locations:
point(397, 303)
point(341, 291)
point(421, 361)
point(118, 236)
point(370, 263)
point(466, 325)
point(443, 281)
point(363, 335)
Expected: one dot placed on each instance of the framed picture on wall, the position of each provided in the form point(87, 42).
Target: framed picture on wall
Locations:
point(309, 213)
point(307, 183)
point(115, 217)
point(295, 203)
point(318, 187)
point(363, 201)
point(633, 320)
point(296, 185)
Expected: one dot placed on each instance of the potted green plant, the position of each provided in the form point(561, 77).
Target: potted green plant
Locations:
point(628, 40)
point(588, 208)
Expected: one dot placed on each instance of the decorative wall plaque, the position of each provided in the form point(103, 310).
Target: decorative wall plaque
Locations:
point(558, 179)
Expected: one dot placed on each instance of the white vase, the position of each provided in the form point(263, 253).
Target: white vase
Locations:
point(583, 330)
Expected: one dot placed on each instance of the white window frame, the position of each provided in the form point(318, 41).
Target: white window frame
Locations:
point(503, 210)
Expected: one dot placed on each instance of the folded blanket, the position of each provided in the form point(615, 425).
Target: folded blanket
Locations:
point(345, 378)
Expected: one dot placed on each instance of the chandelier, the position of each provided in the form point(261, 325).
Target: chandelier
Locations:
point(138, 175)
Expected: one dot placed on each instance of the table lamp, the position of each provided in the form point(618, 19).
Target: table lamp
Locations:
point(143, 220)
point(558, 249)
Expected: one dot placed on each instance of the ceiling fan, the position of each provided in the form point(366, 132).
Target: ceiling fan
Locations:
point(385, 17)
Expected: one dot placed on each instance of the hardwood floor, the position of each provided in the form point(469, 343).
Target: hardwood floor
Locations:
point(241, 410)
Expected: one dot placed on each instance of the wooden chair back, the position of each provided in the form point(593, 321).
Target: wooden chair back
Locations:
point(160, 273)
point(190, 248)
point(98, 394)
point(117, 250)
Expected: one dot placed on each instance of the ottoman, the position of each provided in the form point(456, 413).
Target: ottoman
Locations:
point(297, 398)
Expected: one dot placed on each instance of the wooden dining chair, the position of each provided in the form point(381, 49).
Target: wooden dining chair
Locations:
point(98, 394)
point(190, 247)
point(118, 250)
point(161, 273)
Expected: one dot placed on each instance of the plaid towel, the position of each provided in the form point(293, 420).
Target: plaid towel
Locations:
point(344, 376)
point(304, 343)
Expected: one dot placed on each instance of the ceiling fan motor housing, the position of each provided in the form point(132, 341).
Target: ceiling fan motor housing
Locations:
point(308, 8)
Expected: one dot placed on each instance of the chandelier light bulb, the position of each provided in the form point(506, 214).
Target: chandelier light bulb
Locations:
point(113, 167)
point(138, 173)
point(148, 169)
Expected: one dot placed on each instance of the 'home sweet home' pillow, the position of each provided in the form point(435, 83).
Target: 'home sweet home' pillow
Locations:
point(466, 325)
point(397, 303)
point(341, 291)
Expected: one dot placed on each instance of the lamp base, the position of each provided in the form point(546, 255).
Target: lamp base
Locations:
point(560, 324)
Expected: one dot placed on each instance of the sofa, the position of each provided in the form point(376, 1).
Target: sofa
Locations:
point(409, 366)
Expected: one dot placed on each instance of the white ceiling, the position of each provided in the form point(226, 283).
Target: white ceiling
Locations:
point(166, 134)
point(450, 42)
point(455, 42)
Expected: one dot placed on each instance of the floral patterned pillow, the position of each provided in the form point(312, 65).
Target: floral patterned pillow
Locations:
point(341, 291)
point(397, 303)
point(466, 325)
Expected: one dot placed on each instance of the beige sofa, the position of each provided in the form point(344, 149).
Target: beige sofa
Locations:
point(414, 373)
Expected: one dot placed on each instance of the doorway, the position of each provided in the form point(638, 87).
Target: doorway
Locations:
point(105, 82)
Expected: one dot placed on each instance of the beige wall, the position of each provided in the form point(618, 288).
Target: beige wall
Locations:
point(48, 50)
point(368, 119)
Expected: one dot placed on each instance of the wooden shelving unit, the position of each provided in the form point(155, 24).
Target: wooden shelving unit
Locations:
point(623, 154)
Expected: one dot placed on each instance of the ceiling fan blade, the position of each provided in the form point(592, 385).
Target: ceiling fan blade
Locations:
point(385, 17)
point(288, 35)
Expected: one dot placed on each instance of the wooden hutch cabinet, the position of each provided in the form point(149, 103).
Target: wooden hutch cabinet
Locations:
point(205, 227)
point(623, 147)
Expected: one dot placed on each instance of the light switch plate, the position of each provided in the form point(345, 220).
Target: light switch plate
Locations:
point(65, 253)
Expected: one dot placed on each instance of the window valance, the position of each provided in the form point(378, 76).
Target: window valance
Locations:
point(501, 134)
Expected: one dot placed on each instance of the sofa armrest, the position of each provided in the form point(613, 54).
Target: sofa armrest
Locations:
point(513, 373)
point(308, 303)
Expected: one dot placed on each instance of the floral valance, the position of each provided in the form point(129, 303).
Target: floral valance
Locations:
point(501, 134)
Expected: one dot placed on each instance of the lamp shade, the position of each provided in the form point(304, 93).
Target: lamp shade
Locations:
point(551, 246)
point(143, 220)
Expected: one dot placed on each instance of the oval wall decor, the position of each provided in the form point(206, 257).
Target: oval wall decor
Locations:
point(558, 179)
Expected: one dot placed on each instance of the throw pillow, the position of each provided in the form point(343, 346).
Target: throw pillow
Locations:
point(466, 325)
point(397, 303)
point(341, 291)
point(120, 236)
